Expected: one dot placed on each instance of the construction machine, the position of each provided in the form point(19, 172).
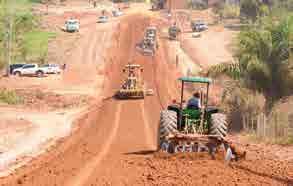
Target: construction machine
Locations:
point(71, 25)
point(174, 31)
point(158, 4)
point(133, 86)
point(183, 129)
point(149, 44)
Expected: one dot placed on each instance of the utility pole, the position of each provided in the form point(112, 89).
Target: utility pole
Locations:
point(9, 39)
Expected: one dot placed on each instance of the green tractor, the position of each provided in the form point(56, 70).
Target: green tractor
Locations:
point(190, 124)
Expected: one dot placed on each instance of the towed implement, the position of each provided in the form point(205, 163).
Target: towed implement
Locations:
point(149, 44)
point(133, 86)
point(184, 129)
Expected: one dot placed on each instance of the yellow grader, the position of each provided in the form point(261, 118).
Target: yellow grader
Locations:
point(133, 86)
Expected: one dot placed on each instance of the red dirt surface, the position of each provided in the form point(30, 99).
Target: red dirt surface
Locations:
point(115, 142)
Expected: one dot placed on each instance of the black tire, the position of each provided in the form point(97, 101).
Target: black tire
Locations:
point(168, 125)
point(219, 125)
point(17, 73)
point(171, 148)
point(40, 73)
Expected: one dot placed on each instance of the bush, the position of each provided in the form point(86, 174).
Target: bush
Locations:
point(28, 43)
point(197, 4)
point(231, 11)
point(35, 45)
point(242, 105)
point(279, 127)
point(10, 97)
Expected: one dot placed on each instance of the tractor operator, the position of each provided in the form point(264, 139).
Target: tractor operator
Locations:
point(194, 102)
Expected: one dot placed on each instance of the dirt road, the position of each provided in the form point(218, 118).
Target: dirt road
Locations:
point(108, 132)
point(116, 139)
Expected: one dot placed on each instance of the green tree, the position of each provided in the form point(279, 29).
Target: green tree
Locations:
point(252, 9)
point(17, 25)
point(262, 59)
point(249, 8)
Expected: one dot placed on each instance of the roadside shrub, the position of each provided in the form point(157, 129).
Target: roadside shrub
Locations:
point(10, 97)
point(231, 11)
point(279, 126)
point(242, 105)
point(27, 43)
point(35, 45)
point(246, 111)
point(197, 4)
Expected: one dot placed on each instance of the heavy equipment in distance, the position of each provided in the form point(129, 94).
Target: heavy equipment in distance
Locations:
point(173, 32)
point(158, 4)
point(149, 44)
point(133, 86)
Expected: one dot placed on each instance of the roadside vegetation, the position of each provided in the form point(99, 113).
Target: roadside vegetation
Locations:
point(21, 40)
point(10, 97)
point(261, 75)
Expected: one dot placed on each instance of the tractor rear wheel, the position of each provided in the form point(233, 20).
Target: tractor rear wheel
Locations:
point(167, 126)
point(219, 125)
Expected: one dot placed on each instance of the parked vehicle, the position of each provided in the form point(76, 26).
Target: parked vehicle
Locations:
point(198, 26)
point(14, 66)
point(117, 13)
point(72, 25)
point(52, 68)
point(103, 19)
point(31, 70)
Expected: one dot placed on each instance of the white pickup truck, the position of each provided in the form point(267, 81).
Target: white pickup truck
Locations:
point(34, 69)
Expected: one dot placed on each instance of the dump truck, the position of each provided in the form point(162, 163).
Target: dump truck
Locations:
point(149, 44)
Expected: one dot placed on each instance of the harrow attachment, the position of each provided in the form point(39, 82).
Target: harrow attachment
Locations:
point(212, 144)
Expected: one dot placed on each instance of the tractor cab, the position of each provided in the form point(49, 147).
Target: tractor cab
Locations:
point(202, 120)
point(197, 118)
point(186, 129)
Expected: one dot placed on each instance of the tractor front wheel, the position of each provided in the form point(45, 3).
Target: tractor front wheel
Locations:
point(167, 126)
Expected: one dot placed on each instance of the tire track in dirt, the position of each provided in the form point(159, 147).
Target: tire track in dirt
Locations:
point(99, 148)
point(90, 166)
point(147, 129)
